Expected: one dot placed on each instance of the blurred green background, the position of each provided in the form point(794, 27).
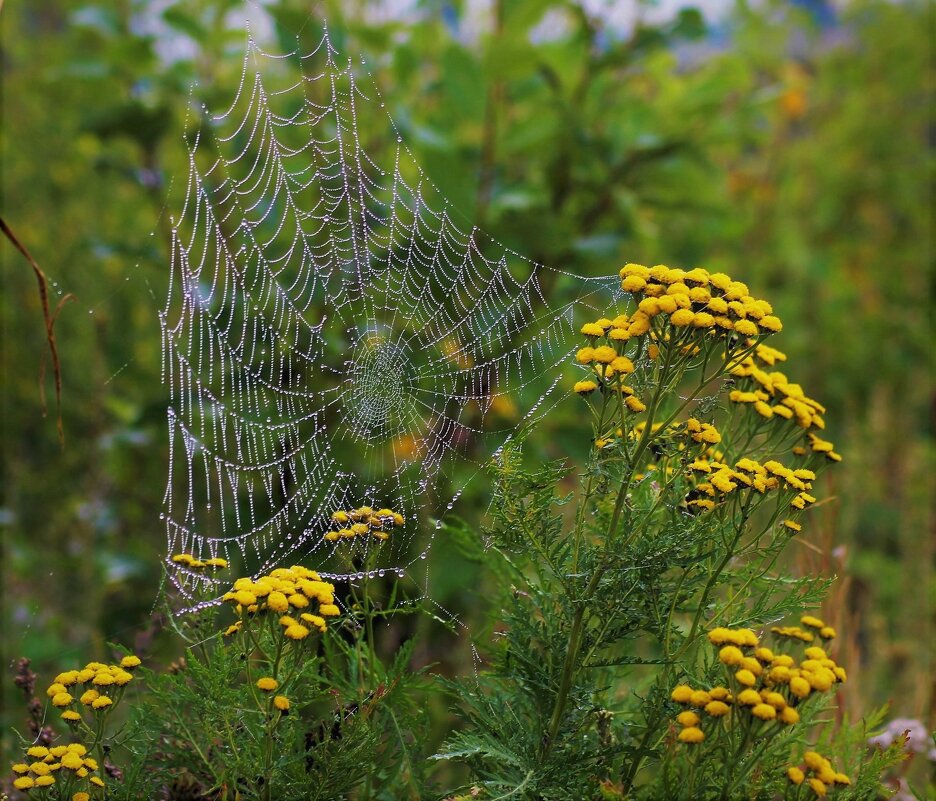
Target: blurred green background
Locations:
point(786, 144)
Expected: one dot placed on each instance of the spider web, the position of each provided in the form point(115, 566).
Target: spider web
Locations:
point(332, 337)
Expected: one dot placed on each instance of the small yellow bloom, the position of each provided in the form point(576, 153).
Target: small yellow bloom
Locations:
point(682, 318)
point(267, 684)
point(818, 787)
point(691, 734)
point(296, 632)
point(245, 597)
point(62, 699)
point(584, 387)
point(97, 781)
point(633, 283)
point(800, 687)
point(130, 662)
point(746, 678)
point(827, 633)
point(687, 718)
point(730, 655)
point(585, 356)
point(623, 365)
point(789, 716)
point(749, 697)
point(795, 775)
point(717, 709)
point(764, 712)
point(681, 694)
point(605, 354)
point(277, 602)
point(592, 330)
point(102, 703)
point(776, 700)
point(634, 404)
point(81, 796)
point(770, 323)
point(719, 635)
point(699, 698)
point(45, 781)
point(281, 702)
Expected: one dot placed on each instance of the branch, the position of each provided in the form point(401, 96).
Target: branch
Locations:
point(50, 320)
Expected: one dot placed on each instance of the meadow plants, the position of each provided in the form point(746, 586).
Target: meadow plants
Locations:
point(644, 643)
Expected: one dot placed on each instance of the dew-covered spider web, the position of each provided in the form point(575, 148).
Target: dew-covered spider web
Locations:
point(332, 337)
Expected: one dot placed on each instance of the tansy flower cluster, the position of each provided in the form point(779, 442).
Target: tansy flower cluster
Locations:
point(723, 479)
point(193, 563)
point(66, 765)
point(694, 299)
point(364, 522)
point(772, 394)
point(283, 591)
point(606, 360)
point(761, 685)
point(268, 685)
point(94, 688)
point(817, 773)
point(804, 634)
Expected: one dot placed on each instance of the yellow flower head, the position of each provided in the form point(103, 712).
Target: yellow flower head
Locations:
point(764, 712)
point(796, 775)
point(730, 655)
point(585, 356)
point(699, 698)
point(267, 684)
point(746, 678)
point(296, 632)
point(681, 694)
point(717, 709)
point(62, 699)
point(281, 702)
point(687, 718)
point(800, 687)
point(691, 734)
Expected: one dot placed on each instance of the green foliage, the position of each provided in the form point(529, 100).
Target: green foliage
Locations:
point(700, 466)
point(794, 156)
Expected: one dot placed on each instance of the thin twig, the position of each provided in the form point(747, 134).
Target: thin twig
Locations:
point(50, 320)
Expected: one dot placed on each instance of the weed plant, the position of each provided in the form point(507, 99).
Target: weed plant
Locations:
point(644, 648)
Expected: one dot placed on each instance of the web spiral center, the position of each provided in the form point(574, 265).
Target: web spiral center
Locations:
point(377, 400)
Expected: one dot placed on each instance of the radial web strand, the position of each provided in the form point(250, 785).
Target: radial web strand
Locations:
point(332, 338)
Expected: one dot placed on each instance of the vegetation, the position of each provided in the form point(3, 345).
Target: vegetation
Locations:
point(793, 158)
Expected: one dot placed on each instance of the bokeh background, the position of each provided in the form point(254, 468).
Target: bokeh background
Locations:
point(784, 143)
